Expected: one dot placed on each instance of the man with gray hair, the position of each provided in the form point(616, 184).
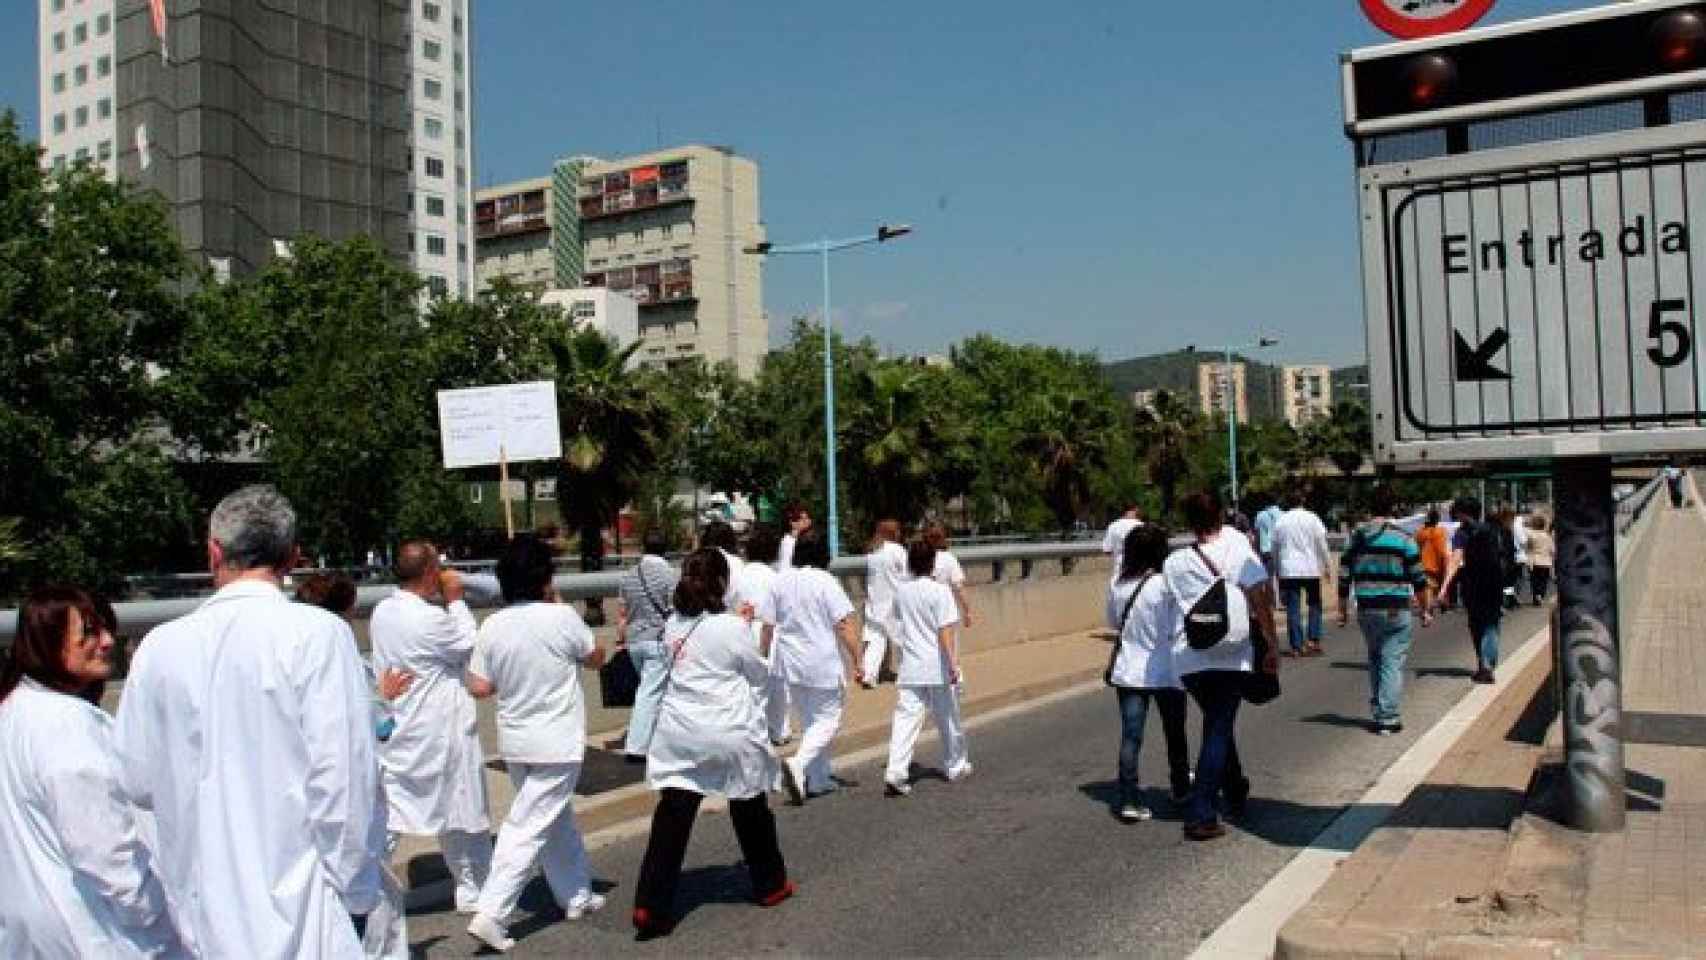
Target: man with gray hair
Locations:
point(246, 728)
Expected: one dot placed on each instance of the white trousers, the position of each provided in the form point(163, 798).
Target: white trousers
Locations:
point(876, 637)
point(468, 856)
point(776, 707)
point(387, 936)
point(540, 825)
point(820, 720)
point(910, 706)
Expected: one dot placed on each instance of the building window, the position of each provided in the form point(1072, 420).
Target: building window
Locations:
point(461, 175)
point(59, 123)
point(434, 206)
point(438, 286)
point(461, 213)
point(435, 168)
point(460, 102)
point(59, 83)
point(59, 162)
point(432, 50)
point(435, 245)
point(433, 89)
point(105, 151)
point(82, 116)
point(80, 33)
point(456, 25)
point(59, 42)
point(434, 128)
point(462, 252)
point(460, 139)
point(411, 241)
point(58, 6)
point(81, 74)
point(544, 489)
point(430, 12)
point(82, 153)
point(103, 24)
point(104, 108)
point(104, 67)
point(458, 60)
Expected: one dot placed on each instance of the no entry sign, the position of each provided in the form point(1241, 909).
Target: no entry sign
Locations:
point(1408, 19)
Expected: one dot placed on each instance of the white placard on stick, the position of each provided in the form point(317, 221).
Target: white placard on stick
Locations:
point(482, 426)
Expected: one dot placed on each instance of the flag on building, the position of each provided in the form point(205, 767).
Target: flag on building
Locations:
point(157, 10)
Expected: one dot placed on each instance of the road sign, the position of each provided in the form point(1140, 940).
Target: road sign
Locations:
point(1408, 19)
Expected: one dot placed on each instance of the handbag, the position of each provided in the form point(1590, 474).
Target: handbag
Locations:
point(619, 680)
point(1207, 621)
point(1261, 685)
point(1119, 638)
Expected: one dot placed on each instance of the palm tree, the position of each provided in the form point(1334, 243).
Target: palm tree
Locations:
point(1065, 430)
point(1164, 431)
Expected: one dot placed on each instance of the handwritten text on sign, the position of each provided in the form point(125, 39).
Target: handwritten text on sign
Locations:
point(479, 425)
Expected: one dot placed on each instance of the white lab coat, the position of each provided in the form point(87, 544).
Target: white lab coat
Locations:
point(247, 728)
point(711, 735)
point(434, 768)
point(79, 881)
point(1300, 545)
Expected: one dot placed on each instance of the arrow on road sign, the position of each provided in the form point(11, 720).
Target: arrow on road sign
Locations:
point(1475, 364)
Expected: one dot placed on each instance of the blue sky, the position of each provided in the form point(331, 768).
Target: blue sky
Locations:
point(1080, 174)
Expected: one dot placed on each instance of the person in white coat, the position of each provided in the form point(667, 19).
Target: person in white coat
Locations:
point(798, 521)
point(756, 579)
point(1303, 558)
point(246, 727)
point(1146, 619)
point(926, 616)
point(529, 656)
point(78, 879)
point(885, 568)
point(711, 739)
point(434, 768)
point(808, 626)
point(949, 573)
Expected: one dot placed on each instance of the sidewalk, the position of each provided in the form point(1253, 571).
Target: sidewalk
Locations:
point(1475, 862)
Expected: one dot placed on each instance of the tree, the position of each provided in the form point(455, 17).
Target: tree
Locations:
point(88, 289)
point(1166, 431)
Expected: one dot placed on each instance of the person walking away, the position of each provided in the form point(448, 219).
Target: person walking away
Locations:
point(722, 536)
point(928, 674)
point(799, 521)
point(1435, 549)
point(1383, 566)
point(757, 577)
point(808, 626)
point(948, 571)
point(712, 739)
point(434, 768)
point(1518, 527)
point(1477, 569)
point(885, 567)
point(385, 935)
point(1265, 520)
point(645, 591)
point(1214, 676)
point(79, 879)
point(528, 656)
point(1113, 539)
point(1673, 480)
point(1542, 553)
point(1301, 552)
point(246, 727)
point(1145, 620)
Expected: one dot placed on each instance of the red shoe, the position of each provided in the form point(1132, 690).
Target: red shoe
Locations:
point(786, 890)
point(646, 927)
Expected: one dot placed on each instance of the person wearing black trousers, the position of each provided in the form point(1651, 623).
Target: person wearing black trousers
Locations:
point(711, 738)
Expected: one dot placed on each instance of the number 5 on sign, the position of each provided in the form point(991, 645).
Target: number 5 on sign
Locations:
point(1671, 341)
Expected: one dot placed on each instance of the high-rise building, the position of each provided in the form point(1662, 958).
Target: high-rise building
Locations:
point(259, 121)
point(1213, 384)
point(666, 228)
point(1306, 392)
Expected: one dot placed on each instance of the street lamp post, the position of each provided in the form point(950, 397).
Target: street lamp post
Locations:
point(1232, 410)
point(823, 248)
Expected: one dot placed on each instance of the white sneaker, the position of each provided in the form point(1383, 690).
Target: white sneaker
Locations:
point(961, 774)
point(582, 905)
point(490, 932)
point(1134, 813)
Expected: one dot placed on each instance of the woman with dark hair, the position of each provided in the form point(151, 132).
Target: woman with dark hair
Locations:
point(1213, 675)
point(722, 536)
point(750, 589)
point(529, 656)
point(646, 588)
point(806, 616)
point(711, 739)
point(948, 571)
point(79, 881)
point(1141, 671)
point(885, 568)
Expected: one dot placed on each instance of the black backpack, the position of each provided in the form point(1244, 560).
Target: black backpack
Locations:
point(1207, 621)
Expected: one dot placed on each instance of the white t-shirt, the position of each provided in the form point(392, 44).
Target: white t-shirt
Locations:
point(1145, 657)
point(948, 571)
point(1113, 542)
point(885, 568)
point(736, 565)
point(922, 608)
point(785, 553)
point(752, 587)
point(531, 653)
point(804, 605)
point(1300, 544)
point(1188, 578)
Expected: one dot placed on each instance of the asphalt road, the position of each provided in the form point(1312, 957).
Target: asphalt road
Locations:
point(1024, 858)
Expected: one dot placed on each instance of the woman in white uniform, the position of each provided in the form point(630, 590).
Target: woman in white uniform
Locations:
point(885, 568)
point(748, 592)
point(948, 571)
point(78, 880)
point(711, 739)
point(808, 626)
point(926, 616)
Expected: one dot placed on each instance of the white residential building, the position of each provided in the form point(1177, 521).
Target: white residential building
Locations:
point(1306, 392)
point(441, 174)
point(79, 89)
point(610, 312)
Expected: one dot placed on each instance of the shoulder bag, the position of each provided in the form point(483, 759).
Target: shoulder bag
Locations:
point(1207, 621)
point(1119, 638)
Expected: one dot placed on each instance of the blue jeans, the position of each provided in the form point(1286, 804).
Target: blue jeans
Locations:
point(1484, 635)
point(1218, 694)
point(649, 659)
point(1310, 588)
point(1388, 634)
point(1134, 710)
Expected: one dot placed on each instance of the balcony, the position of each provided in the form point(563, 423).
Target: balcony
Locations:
point(639, 188)
point(516, 213)
point(652, 284)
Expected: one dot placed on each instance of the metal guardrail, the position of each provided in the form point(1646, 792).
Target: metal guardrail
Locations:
point(1630, 508)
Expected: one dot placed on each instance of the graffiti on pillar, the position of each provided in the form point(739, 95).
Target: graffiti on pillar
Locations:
point(1587, 603)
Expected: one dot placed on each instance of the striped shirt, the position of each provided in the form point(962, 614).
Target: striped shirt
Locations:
point(1383, 565)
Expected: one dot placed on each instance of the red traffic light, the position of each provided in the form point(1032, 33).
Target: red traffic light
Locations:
point(1679, 39)
point(1429, 79)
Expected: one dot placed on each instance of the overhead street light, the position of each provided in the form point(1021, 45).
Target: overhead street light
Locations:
point(823, 248)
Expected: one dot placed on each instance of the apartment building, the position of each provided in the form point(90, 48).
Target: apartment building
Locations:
point(1213, 383)
point(666, 229)
point(1305, 393)
point(258, 121)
